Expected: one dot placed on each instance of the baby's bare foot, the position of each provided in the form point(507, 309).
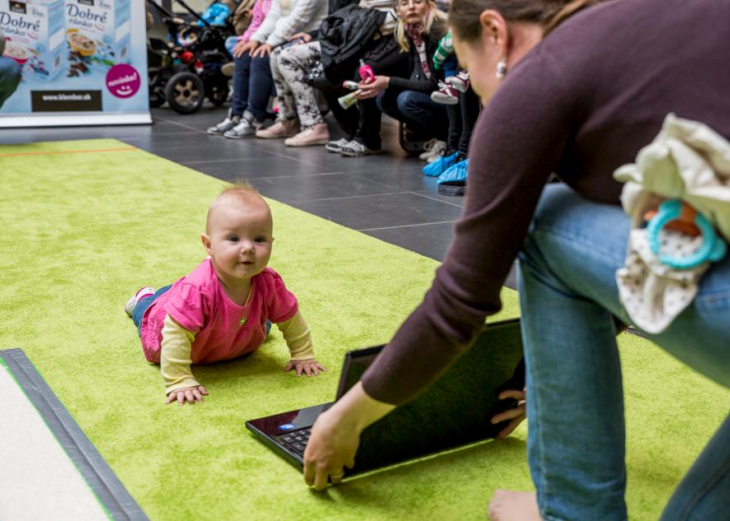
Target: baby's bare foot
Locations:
point(508, 505)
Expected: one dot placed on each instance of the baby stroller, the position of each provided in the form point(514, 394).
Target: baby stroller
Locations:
point(186, 69)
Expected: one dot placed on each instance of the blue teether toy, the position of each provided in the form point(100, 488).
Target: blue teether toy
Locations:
point(713, 248)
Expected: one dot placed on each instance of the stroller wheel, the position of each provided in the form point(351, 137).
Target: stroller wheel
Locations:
point(185, 92)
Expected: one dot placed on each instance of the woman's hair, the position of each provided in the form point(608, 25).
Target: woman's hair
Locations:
point(434, 15)
point(465, 23)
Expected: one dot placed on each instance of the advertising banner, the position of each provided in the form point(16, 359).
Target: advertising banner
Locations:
point(83, 62)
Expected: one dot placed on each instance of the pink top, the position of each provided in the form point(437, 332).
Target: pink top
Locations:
point(223, 330)
point(260, 10)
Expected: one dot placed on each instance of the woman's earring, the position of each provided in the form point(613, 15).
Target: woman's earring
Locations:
point(501, 69)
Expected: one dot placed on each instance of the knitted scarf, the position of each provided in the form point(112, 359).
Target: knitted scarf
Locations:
point(415, 32)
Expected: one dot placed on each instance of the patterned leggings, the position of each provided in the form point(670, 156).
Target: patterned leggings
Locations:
point(296, 98)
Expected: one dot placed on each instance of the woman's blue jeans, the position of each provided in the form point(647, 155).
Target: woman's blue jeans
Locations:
point(569, 296)
point(252, 86)
point(416, 109)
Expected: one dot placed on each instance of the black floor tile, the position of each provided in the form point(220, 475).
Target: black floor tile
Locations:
point(381, 211)
point(326, 186)
point(451, 199)
point(407, 179)
point(246, 168)
point(430, 240)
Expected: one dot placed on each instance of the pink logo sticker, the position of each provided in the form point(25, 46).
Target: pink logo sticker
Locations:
point(123, 81)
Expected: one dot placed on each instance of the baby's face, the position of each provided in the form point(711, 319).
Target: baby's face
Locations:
point(239, 238)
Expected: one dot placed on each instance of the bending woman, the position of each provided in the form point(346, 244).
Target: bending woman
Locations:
point(549, 108)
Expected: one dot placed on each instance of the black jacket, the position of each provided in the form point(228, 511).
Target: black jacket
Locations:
point(343, 37)
point(418, 80)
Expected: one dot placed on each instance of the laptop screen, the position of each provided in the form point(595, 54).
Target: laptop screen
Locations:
point(454, 411)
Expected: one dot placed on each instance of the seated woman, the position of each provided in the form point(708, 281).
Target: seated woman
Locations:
point(420, 28)
point(298, 101)
point(252, 81)
point(549, 108)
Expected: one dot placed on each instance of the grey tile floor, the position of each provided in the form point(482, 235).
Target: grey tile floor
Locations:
point(384, 196)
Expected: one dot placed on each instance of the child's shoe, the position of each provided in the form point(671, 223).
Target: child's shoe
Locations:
point(439, 166)
point(132, 302)
point(446, 95)
point(225, 125)
point(434, 148)
point(460, 82)
point(453, 180)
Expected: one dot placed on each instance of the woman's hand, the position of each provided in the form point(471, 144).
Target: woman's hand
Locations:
point(262, 50)
point(336, 435)
point(517, 415)
point(372, 89)
point(305, 37)
point(331, 447)
point(187, 394)
point(310, 367)
point(242, 47)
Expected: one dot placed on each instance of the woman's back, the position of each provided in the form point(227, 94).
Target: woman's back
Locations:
point(616, 70)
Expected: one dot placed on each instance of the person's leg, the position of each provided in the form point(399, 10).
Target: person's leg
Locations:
point(453, 136)
point(10, 75)
point(143, 304)
point(469, 105)
point(422, 115)
point(369, 116)
point(241, 80)
point(346, 119)
point(260, 86)
point(293, 63)
point(285, 96)
point(569, 297)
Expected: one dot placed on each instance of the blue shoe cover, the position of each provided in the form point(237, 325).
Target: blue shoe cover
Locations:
point(438, 167)
point(455, 173)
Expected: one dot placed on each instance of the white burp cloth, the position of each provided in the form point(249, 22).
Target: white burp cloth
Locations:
point(652, 293)
point(688, 161)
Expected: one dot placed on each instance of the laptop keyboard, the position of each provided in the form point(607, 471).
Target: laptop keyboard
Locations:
point(296, 441)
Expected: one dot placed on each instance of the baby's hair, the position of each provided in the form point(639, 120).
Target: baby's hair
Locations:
point(241, 190)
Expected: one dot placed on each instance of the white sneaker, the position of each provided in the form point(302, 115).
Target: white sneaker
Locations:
point(433, 150)
point(225, 125)
point(132, 302)
point(355, 149)
point(336, 146)
point(246, 127)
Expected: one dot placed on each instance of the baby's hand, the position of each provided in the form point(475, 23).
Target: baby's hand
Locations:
point(190, 394)
point(309, 367)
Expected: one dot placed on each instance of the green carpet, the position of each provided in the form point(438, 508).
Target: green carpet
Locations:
point(85, 224)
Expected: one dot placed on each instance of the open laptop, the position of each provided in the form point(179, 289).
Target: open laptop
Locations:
point(455, 411)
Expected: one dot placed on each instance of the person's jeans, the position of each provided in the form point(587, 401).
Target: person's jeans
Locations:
point(416, 109)
point(569, 296)
point(252, 86)
point(9, 78)
point(143, 304)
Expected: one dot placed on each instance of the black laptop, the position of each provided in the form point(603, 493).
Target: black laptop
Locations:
point(455, 411)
